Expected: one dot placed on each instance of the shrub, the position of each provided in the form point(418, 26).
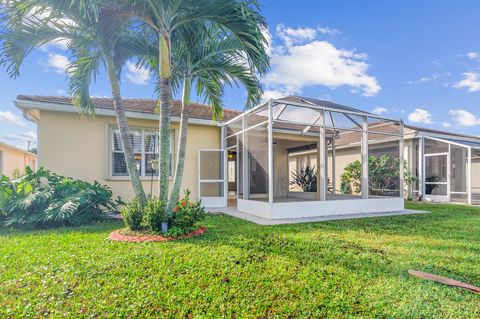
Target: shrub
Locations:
point(43, 199)
point(306, 179)
point(383, 174)
point(186, 215)
point(155, 214)
point(132, 214)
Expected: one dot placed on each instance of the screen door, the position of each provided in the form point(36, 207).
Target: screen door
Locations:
point(211, 177)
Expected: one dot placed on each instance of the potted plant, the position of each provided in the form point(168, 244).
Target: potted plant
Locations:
point(155, 164)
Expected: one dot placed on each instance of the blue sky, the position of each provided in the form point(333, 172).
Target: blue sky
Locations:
point(414, 60)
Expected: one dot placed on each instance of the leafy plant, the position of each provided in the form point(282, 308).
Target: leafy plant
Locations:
point(17, 173)
point(306, 179)
point(383, 175)
point(43, 199)
point(155, 214)
point(186, 216)
point(132, 214)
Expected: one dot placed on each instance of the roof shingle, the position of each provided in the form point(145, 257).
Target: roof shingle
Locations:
point(196, 110)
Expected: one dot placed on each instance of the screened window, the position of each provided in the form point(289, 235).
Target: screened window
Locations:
point(145, 149)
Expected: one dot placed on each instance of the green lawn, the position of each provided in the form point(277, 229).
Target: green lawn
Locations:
point(339, 269)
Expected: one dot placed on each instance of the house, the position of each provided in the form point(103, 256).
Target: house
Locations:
point(14, 159)
point(247, 159)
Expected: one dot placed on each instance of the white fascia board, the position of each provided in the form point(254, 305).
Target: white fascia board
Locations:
point(56, 107)
point(447, 136)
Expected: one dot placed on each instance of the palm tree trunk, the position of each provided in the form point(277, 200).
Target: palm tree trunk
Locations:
point(182, 143)
point(164, 122)
point(124, 133)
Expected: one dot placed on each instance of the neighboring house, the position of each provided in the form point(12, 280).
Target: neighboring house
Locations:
point(14, 159)
point(249, 157)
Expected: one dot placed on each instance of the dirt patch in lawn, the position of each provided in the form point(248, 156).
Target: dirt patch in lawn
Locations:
point(118, 235)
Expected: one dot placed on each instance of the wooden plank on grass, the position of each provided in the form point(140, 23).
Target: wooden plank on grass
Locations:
point(444, 280)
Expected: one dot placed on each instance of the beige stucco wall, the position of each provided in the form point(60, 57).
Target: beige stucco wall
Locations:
point(12, 159)
point(78, 147)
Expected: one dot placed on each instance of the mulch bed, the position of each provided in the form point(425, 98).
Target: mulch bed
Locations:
point(118, 236)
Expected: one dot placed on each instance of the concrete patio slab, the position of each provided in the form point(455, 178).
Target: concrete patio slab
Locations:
point(231, 211)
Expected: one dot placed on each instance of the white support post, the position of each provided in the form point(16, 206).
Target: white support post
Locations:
point(402, 162)
point(322, 166)
point(410, 162)
point(245, 162)
point(334, 177)
point(421, 166)
point(223, 145)
point(237, 166)
point(364, 151)
point(449, 167)
point(270, 153)
point(469, 176)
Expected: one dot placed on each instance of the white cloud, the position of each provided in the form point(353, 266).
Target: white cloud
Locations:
point(420, 116)
point(464, 118)
point(61, 44)
point(60, 92)
point(137, 75)
point(56, 62)
point(30, 135)
point(471, 82)
point(302, 61)
point(446, 125)
point(472, 55)
point(328, 31)
point(11, 118)
point(433, 77)
point(291, 36)
point(379, 110)
point(275, 94)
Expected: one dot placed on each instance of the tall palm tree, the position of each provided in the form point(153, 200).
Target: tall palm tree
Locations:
point(209, 61)
point(239, 19)
point(97, 33)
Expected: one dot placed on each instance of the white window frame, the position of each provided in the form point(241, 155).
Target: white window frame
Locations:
point(143, 132)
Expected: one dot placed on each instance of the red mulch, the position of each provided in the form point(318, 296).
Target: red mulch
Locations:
point(117, 236)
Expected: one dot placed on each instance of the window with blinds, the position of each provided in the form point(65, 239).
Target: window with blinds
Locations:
point(145, 148)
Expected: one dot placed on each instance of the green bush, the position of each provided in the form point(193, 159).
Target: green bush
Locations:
point(155, 214)
point(132, 214)
point(186, 216)
point(383, 176)
point(43, 199)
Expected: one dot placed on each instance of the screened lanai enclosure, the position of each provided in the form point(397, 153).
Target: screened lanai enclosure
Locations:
point(449, 169)
point(303, 157)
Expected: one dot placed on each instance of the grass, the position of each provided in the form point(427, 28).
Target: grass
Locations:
point(338, 269)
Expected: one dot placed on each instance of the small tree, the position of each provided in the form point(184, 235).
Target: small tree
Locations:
point(383, 173)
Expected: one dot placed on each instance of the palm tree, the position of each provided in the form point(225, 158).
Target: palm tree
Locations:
point(209, 62)
point(239, 19)
point(97, 33)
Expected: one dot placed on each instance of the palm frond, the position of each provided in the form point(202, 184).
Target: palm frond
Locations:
point(81, 70)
